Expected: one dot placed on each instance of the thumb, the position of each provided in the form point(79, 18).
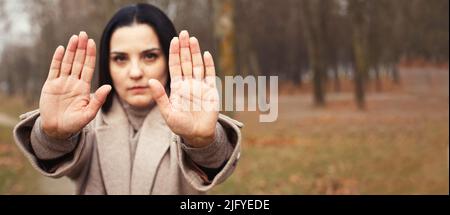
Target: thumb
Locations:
point(160, 97)
point(98, 99)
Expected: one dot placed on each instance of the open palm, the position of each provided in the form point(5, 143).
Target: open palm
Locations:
point(192, 109)
point(66, 105)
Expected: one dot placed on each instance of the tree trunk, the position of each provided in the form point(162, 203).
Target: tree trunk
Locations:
point(395, 74)
point(337, 82)
point(378, 85)
point(360, 52)
point(312, 21)
point(225, 34)
point(226, 38)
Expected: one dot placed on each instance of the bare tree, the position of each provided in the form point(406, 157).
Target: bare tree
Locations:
point(313, 17)
point(358, 12)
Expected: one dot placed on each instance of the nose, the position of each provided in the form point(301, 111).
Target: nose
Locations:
point(135, 71)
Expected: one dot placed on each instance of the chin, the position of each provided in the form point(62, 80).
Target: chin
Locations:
point(140, 101)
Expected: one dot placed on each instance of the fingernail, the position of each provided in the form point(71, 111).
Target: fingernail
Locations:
point(73, 38)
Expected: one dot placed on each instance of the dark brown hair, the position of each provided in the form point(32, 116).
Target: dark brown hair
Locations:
point(141, 14)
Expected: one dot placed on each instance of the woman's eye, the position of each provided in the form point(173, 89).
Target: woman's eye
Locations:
point(119, 58)
point(150, 56)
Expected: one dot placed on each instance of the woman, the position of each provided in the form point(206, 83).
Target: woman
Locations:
point(116, 141)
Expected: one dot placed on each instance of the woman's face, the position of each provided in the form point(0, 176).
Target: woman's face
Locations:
point(135, 57)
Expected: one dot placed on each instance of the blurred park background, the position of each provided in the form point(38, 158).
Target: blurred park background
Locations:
point(364, 88)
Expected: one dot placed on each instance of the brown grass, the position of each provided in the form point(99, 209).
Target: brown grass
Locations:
point(398, 145)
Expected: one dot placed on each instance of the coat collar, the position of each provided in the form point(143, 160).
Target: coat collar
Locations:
point(114, 151)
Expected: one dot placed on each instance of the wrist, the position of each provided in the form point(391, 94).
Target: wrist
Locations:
point(199, 142)
point(52, 133)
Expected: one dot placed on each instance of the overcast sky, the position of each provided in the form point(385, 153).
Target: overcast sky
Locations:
point(20, 24)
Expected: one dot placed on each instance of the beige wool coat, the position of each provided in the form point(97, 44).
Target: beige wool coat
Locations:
point(100, 161)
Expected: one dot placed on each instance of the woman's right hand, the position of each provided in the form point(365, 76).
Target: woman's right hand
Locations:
point(66, 105)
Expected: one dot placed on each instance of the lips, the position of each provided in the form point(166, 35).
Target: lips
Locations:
point(138, 89)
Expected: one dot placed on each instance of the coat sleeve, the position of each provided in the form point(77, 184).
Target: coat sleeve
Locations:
point(196, 177)
point(214, 154)
point(52, 158)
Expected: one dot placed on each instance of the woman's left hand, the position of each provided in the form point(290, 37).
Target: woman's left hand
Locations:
point(193, 107)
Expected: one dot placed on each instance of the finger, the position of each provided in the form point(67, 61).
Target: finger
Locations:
point(97, 100)
point(80, 55)
point(210, 69)
point(197, 62)
point(174, 60)
point(160, 97)
point(89, 63)
point(55, 65)
point(69, 55)
point(185, 55)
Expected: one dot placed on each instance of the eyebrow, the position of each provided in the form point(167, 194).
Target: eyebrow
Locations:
point(147, 50)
